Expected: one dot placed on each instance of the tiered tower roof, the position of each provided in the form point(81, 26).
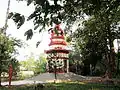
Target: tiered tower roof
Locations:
point(57, 41)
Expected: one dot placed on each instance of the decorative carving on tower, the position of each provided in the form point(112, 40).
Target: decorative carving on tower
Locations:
point(57, 55)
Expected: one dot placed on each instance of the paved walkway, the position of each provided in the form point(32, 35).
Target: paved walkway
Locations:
point(22, 82)
point(49, 77)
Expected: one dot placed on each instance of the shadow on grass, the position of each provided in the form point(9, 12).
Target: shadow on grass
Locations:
point(77, 86)
point(65, 86)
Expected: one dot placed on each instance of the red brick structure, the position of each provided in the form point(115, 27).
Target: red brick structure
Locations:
point(57, 55)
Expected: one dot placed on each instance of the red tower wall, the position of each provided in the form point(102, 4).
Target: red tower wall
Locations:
point(57, 55)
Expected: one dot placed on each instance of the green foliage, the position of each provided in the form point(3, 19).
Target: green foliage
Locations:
point(95, 38)
point(80, 86)
point(23, 75)
point(40, 66)
point(37, 44)
point(7, 54)
point(92, 41)
point(68, 39)
point(17, 18)
point(29, 34)
point(99, 31)
point(89, 44)
point(46, 14)
point(37, 66)
point(28, 64)
point(49, 11)
point(7, 51)
point(15, 65)
point(118, 55)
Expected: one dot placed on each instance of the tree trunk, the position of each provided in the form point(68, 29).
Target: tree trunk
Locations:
point(0, 79)
point(55, 73)
point(111, 57)
point(118, 59)
point(0, 71)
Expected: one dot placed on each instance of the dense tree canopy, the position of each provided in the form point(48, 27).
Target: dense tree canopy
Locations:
point(37, 66)
point(48, 12)
point(98, 32)
point(7, 54)
point(96, 38)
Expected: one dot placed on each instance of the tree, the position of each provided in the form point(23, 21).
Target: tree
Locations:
point(40, 66)
point(29, 64)
point(48, 12)
point(15, 65)
point(92, 41)
point(106, 13)
point(37, 66)
point(7, 52)
point(88, 44)
point(54, 64)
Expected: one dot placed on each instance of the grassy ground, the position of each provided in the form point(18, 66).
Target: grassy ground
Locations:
point(65, 86)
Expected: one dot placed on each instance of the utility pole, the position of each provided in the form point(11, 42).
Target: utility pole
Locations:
point(3, 31)
point(6, 20)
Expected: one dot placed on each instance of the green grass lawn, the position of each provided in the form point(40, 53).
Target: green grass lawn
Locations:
point(66, 86)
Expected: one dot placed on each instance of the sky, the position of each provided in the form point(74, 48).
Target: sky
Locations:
point(22, 8)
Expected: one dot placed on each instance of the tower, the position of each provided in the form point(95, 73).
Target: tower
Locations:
point(57, 55)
